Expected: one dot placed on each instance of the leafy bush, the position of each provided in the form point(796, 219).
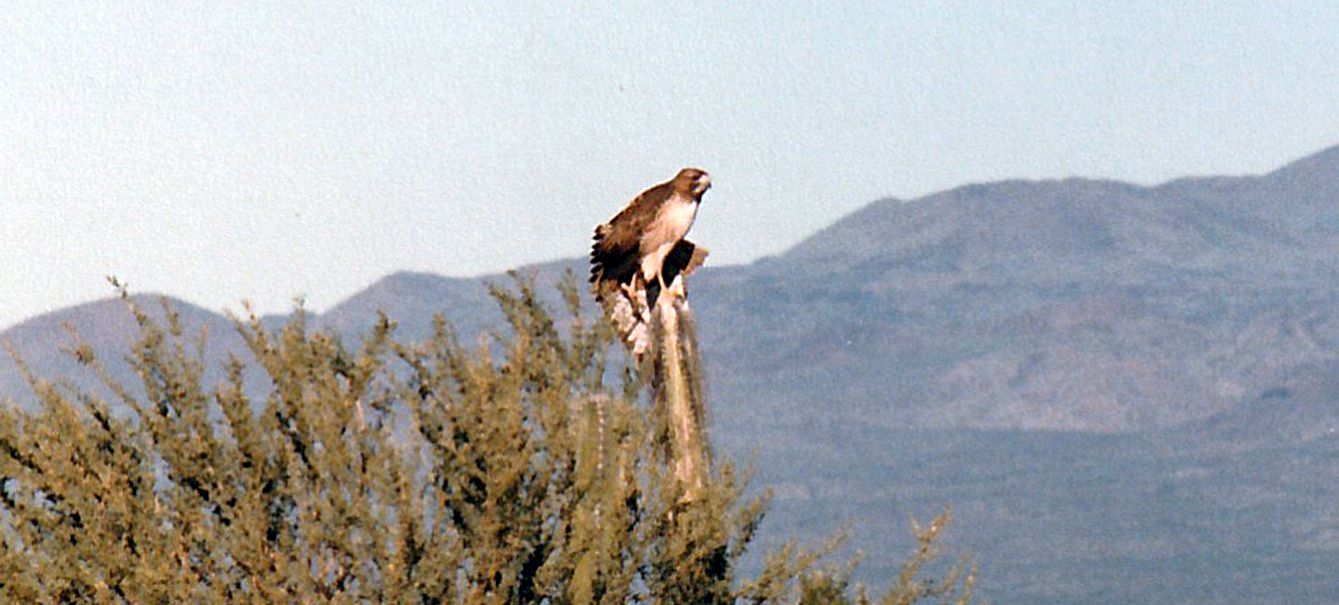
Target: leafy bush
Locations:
point(438, 472)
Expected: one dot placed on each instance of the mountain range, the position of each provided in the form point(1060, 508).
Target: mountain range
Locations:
point(1129, 394)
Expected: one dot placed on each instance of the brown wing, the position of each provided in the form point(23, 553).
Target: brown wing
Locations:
point(615, 254)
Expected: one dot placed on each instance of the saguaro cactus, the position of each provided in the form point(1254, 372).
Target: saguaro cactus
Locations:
point(677, 386)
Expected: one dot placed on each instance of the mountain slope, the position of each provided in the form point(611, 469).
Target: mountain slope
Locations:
point(1114, 385)
point(1072, 304)
point(108, 326)
point(1062, 304)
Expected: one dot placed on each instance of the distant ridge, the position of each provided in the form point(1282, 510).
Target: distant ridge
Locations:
point(962, 291)
point(1114, 385)
point(108, 326)
point(1322, 165)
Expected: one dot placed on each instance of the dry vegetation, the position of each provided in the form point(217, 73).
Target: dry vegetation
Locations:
point(510, 471)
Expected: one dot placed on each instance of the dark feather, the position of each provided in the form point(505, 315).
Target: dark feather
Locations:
point(683, 258)
point(615, 255)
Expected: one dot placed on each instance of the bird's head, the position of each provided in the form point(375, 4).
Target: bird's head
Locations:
point(692, 182)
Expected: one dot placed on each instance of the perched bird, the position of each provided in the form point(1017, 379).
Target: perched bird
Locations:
point(637, 241)
point(640, 254)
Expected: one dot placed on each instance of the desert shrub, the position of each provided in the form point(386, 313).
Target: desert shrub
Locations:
point(511, 470)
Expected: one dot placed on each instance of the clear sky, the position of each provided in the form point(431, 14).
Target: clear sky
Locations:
point(221, 151)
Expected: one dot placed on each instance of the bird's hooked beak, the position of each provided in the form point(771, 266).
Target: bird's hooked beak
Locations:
point(703, 184)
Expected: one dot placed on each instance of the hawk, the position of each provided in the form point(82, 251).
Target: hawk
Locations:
point(640, 252)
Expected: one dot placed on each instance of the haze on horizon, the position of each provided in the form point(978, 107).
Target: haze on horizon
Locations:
point(217, 153)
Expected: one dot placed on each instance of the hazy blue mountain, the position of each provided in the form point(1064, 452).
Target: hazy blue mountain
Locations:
point(1060, 305)
point(109, 327)
point(1129, 394)
point(412, 299)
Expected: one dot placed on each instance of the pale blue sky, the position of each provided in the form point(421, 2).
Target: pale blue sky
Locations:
point(223, 151)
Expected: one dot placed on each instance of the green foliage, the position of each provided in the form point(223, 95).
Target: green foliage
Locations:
point(435, 472)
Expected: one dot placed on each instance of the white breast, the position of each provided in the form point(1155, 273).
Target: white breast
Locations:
point(669, 226)
point(678, 217)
